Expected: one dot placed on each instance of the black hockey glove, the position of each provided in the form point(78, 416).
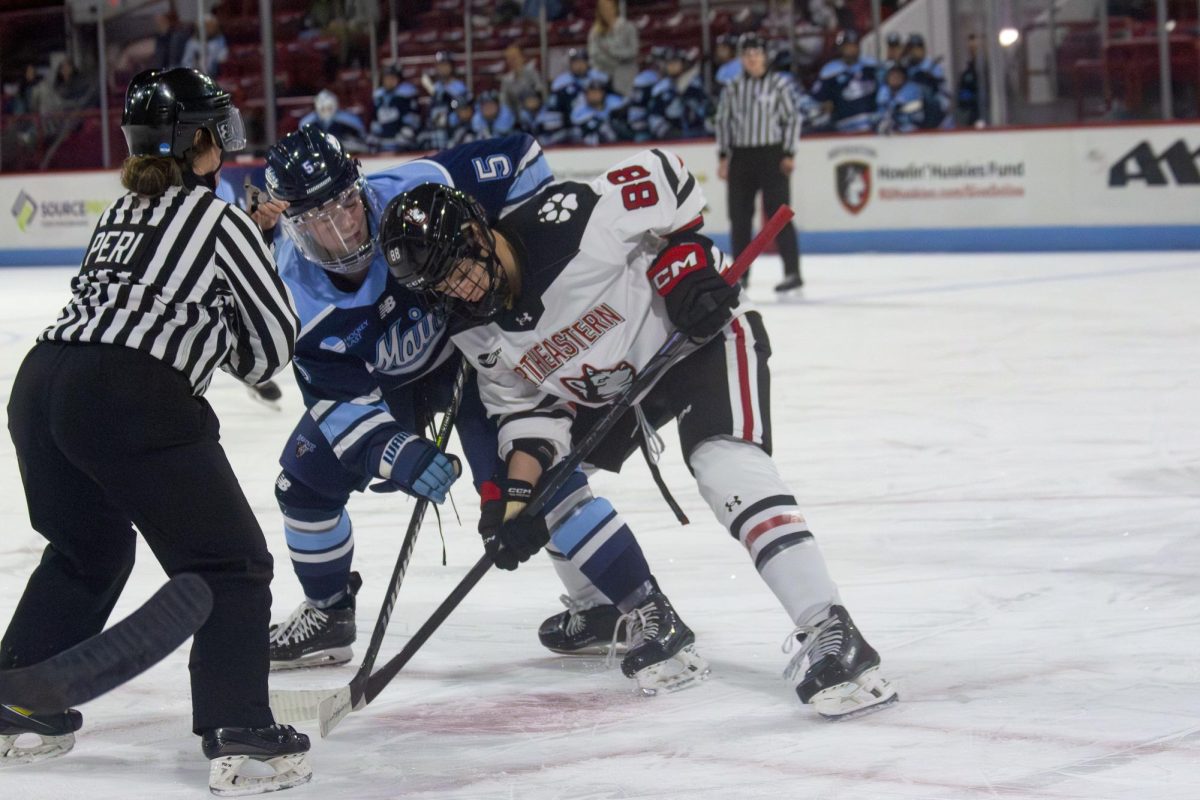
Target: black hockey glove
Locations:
point(509, 538)
point(699, 302)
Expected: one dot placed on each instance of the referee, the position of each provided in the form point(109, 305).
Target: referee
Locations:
point(111, 428)
point(757, 130)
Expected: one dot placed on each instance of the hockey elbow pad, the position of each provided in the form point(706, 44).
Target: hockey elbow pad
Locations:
point(699, 301)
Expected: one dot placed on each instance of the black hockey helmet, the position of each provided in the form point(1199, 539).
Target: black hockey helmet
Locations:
point(751, 41)
point(164, 109)
point(323, 187)
point(894, 39)
point(427, 232)
point(915, 40)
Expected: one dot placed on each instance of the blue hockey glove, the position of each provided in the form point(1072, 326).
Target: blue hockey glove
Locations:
point(508, 538)
point(410, 464)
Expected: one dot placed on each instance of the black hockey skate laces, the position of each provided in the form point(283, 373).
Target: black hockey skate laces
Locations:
point(641, 624)
point(303, 623)
point(818, 641)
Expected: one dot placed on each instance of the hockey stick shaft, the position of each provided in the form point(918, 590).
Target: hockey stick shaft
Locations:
point(297, 705)
point(410, 536)
point(547, 489)
point(108, 659)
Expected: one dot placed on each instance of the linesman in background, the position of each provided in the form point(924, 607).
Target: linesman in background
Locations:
point(758, 127)
point(111, 429)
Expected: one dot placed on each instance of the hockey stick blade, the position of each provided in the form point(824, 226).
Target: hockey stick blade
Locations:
point(108, 659)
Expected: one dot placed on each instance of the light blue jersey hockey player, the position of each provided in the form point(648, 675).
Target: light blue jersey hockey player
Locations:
point(373, 362)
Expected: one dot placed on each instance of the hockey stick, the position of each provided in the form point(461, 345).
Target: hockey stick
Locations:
point(305, 704)
point(336, 705)
point(108, 659)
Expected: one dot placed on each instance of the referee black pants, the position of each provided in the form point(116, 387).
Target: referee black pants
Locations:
point(107, 436)
point(753, 170)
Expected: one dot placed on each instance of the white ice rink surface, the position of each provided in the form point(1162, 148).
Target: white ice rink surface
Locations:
point(1000, 457)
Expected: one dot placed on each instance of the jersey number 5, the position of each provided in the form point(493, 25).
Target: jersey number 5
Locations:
point(634, 195)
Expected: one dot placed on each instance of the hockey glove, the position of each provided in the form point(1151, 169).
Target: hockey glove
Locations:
point(509, 538)
point(413, 465)
point(699, 302)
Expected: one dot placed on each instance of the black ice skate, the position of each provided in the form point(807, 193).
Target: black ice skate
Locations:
point(316, 637)
point(835, 670)
point(583, 630)
point(268, 393)
point(19, 727)
point(279, 753)
point(792, 283)
point(662, 653)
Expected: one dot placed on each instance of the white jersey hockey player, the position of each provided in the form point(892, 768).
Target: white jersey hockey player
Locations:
point(570, 296)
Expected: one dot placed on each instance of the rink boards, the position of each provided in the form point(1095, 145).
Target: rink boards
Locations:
point(1115, 187)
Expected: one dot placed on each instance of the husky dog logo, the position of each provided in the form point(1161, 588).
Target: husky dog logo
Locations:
point(304, 446)
point(853, 184)
point(415, 215)
point(601, 385)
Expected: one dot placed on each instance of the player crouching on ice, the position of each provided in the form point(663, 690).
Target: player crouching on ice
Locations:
point(570, 295)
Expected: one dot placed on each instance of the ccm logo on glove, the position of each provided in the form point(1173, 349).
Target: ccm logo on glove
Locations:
point(675, 262)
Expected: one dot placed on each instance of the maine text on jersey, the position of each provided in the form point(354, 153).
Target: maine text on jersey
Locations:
point(545, 357)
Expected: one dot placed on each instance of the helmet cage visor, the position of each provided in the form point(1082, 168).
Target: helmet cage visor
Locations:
point(336, 235)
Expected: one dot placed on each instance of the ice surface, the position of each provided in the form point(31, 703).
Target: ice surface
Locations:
point(1000, 456)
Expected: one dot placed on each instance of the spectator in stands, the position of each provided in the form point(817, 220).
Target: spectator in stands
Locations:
point(725, 59)
point(568, 85)
point(347, 128)
point(209, 58)
point(541, 122)
point(23, 101)
point(492, 118)
point(397, 113)
point(922, 69)
point(522, 77)
point(591, 118)
point(613, 45)
point(170, 41)
point(555, 9)
point(72, 90)
point(895, 51)
point(632, 121)
point(443, 87)
point(969, 111)
point(847, 87)
point(458, 123)
point(679, 106)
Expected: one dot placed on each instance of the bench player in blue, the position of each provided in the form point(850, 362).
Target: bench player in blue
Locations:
point(373, 362)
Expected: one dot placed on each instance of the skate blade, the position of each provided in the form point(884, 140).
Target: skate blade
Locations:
point(226, 778)
point(601, 649)
point(681, 671)
point(866, 694)
point(48, 747)
point(324, 658)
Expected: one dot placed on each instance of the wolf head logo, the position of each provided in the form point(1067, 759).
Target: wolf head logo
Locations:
point(601, 385)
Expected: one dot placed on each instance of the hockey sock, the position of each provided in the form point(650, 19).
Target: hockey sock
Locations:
point(599, 545)
point(742, 485)
point(579, 588)
point(321, 545)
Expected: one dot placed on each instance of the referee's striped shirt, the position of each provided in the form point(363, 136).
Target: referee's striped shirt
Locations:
point(756, 112)
point(187, 278)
